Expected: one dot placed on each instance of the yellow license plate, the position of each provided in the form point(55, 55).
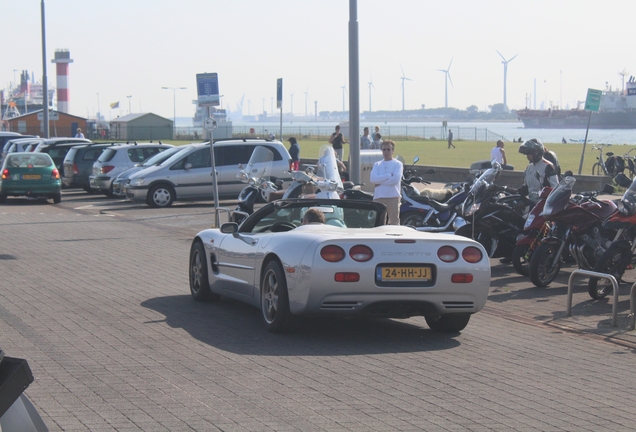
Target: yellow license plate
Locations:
point(31, 176)
point(405, 274)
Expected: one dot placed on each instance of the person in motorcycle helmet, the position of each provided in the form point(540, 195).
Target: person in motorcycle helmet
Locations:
point(540, 172)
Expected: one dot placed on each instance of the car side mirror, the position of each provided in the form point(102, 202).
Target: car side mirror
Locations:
point(229, 228)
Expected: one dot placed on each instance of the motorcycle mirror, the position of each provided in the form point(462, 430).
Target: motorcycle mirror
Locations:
point(416, 159)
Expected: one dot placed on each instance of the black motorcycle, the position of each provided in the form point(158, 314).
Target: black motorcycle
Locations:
point(492, 215)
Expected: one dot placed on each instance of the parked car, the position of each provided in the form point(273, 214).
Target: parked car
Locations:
point(6, 136)
point(117, 159)
point(31, 175)
point(350, 265)
point(78, 165)
point(186, 175)
point(57, 149)
point(18, 145)
point(119, 183)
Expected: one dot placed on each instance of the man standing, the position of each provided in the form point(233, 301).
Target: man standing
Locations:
point(540, 171)
point(294, 152)
point(365, 139)
point(498, 153)
point(450, 139)
point(337, 139)
point(387, 177)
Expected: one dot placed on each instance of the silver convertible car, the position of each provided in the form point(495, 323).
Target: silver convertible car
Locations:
point(351, 264)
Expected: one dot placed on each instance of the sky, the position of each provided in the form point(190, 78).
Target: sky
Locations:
point(133, 48)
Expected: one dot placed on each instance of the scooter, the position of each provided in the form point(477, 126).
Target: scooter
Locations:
point(320, 181)
point(259, 184)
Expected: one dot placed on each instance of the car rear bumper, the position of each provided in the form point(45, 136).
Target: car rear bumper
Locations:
point(100, 182)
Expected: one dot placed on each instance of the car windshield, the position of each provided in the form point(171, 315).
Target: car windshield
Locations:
point(339, 213)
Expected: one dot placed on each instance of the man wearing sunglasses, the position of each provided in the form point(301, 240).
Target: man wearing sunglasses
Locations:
point(387, 177)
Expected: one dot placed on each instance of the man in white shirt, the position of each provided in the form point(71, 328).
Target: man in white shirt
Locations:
point(387, 177)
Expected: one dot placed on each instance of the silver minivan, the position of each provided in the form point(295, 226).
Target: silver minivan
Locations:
point(186, 175)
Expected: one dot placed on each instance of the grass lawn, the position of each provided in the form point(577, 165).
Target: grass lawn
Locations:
point(436, 153)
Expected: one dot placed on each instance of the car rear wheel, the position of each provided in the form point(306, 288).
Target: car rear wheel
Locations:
point(449, 323)
point(161, 196)
point(275, 299)
point(199, 281)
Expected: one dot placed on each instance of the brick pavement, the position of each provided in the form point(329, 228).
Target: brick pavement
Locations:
point(98, 302)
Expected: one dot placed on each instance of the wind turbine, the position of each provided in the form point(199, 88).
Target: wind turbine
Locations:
point(403, 78)
point(505, 63)
point(447, 78)
point(370, 86)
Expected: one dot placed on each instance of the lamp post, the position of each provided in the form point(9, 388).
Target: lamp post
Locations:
point(129, 109)
point(174, 102)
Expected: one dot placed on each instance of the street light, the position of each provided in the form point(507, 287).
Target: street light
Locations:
point(174, 101)
point(129, 109)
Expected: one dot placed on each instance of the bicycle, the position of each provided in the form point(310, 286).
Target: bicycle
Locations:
point(600, 167)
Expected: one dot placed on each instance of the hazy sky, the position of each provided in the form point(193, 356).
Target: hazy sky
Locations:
point(135, 47)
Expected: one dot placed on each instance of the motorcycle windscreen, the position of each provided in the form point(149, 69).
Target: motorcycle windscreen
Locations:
point(559, 197)
point(629, 198)
point(328, 169)
point(260, 164)
point(480, 188)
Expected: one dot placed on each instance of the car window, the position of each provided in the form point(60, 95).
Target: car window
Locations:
point(107, 155)
point(57, 153)
point(70, 156)
point(136, 154)
point(26, 160)
point(92, 154)
point(151, 151)
point(199, 159)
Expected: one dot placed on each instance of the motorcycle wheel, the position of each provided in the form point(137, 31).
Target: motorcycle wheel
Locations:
point(614, 261)
point(540, 274)
point(483, 236)
point(519, 260)
point(412, 218)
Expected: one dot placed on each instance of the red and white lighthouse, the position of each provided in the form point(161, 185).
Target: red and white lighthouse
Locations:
point(62, 59)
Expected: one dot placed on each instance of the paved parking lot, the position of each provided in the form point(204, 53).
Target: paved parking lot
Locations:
point(95, 296)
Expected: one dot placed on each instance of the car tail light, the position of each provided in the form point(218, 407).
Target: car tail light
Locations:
point(447, 254)
point(55, 174)
point(347, 277)
point(332, 253)
point(361, 253)
point(472, 255)
point(106, 169)
point(462, 278)
point(75, 169)
point(5, 174)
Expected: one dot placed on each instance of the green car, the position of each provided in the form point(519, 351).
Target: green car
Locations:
point(31, 175)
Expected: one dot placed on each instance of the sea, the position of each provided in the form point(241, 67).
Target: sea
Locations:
point(482, 131)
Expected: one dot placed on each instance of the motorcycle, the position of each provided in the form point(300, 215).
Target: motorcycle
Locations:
point(535, 229)
point(576, 228)
point(491, 215)
point(259, 183)
point(320, 181)
point(622, 252)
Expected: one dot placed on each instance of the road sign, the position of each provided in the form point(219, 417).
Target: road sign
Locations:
point(593, 100)
point(210, 124)
point(208, 89)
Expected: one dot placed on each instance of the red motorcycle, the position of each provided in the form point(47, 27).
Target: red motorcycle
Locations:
point(576, 227)
point(534, 230)
point(622, 252)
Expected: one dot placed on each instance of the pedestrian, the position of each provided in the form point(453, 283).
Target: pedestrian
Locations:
point(337, 140)
point(294, 152)
point(498, 153)
point(365, 139)
point(386, 174)
point(79, 133)
point(450, 139)
point(377, 142)
point(376, 130)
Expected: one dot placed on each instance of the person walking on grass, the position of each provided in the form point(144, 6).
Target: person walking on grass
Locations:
point(450, 139)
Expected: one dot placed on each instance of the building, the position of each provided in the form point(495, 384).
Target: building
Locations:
point(60, 124)
point(142, 127)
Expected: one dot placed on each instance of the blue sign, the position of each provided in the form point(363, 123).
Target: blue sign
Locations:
point(208, 89)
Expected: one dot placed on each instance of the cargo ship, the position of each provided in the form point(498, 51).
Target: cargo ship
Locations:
point(23, 99)
point(617, 111)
